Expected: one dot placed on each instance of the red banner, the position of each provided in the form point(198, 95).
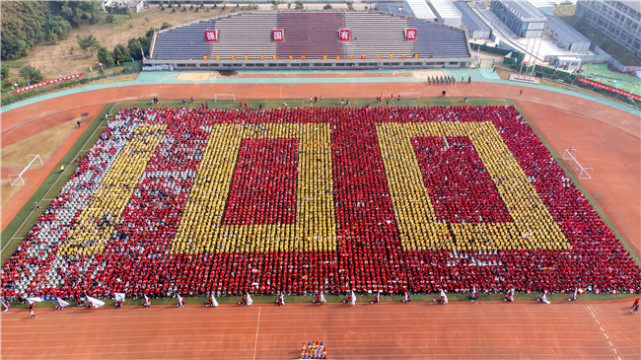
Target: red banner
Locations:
point(343, 34)
point(210, 35)
point(410, 34)
point(44, 83)
point(609, 88)
point(277, 35)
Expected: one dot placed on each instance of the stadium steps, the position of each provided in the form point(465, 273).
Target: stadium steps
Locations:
point(376, 34)
point(251, 32)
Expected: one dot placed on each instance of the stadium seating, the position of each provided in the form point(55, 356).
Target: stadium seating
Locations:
point(134, 249)
point(312, 35)
point(251, 32)
point(183, 42)
point(442, 41)
point(376, 34)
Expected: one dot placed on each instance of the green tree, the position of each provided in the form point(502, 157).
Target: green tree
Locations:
point(327, 7)
point(30, 74)
point(4, 72)
point(78, 12)
point(350, 5)
point(55, 28)
point(275, 4)
point(14, 48)
point(121, 54)
point(134, 47)
point(88, 43)
point(105, 56)
point(165, 25)
point(299, 5)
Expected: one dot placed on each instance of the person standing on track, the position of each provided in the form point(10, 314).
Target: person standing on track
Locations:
point(407, 299)
point(31, 310)
point(181, 301)
point(635, 306)
point(510, 295)
point(475, 294)
point(147, 302)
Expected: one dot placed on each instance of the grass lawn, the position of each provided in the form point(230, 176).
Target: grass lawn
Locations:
point(26, 218)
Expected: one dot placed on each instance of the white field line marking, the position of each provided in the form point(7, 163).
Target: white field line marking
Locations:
point(257, 327)
point(605, 335)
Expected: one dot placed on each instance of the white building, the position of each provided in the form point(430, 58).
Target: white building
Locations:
point(620, 20)
point(565, 36)
point(446, 12)
point(567, 63)
point(419, 9)
point(135, 6)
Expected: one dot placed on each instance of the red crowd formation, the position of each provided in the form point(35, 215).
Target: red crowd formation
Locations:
point(137, 258)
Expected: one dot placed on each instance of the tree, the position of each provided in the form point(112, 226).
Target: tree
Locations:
point(105, 56)
point(88, 43)
point(55, 28)
point(121, 54)
point(350, 5)
point(165, 25)
point(13, 48)
point(327, 7)
point(4, 73)
point(134, 47)
point(275, 4)
point(30, 74)
point(299, 5)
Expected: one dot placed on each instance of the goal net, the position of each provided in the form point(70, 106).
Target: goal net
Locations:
point(221, 97)
point(569, 156)
point(413, 95)
point(18, 180)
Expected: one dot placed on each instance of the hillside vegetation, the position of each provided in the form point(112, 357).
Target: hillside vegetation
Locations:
point(26, 23)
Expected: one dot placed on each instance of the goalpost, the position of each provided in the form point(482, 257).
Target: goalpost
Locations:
point(569, 155)
point(14, 179)
point(410, 95)
point(221, 97)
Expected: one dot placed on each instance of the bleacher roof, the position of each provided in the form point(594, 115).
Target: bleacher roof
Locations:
point(313, 34)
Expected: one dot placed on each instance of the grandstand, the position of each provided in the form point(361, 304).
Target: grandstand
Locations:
point(310, 41)
point(304, 200)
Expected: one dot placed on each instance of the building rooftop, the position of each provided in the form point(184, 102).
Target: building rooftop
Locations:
point(561, 27)
point(471, 20)
point(445, 9)
point(420, 9)
point(524, 10)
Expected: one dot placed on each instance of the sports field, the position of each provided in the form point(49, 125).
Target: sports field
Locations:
point(284, 131)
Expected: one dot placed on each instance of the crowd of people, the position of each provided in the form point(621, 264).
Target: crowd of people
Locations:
point(113, 226)
point(313, 350)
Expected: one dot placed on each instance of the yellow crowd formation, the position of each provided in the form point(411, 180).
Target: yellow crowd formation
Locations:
point(201, 229)
point(95, 224)
point(532, 228)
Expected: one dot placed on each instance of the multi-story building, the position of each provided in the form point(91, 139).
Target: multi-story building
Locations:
point(620, 20)
point(521, 17)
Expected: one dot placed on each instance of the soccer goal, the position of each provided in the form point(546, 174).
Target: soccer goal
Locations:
point(221, 97)
point(18, 180)
point(410, 95)
point(569, 156)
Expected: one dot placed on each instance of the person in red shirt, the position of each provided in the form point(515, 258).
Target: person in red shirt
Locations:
point(635, 306)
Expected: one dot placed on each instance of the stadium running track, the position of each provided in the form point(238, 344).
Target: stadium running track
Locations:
point(606, 139)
